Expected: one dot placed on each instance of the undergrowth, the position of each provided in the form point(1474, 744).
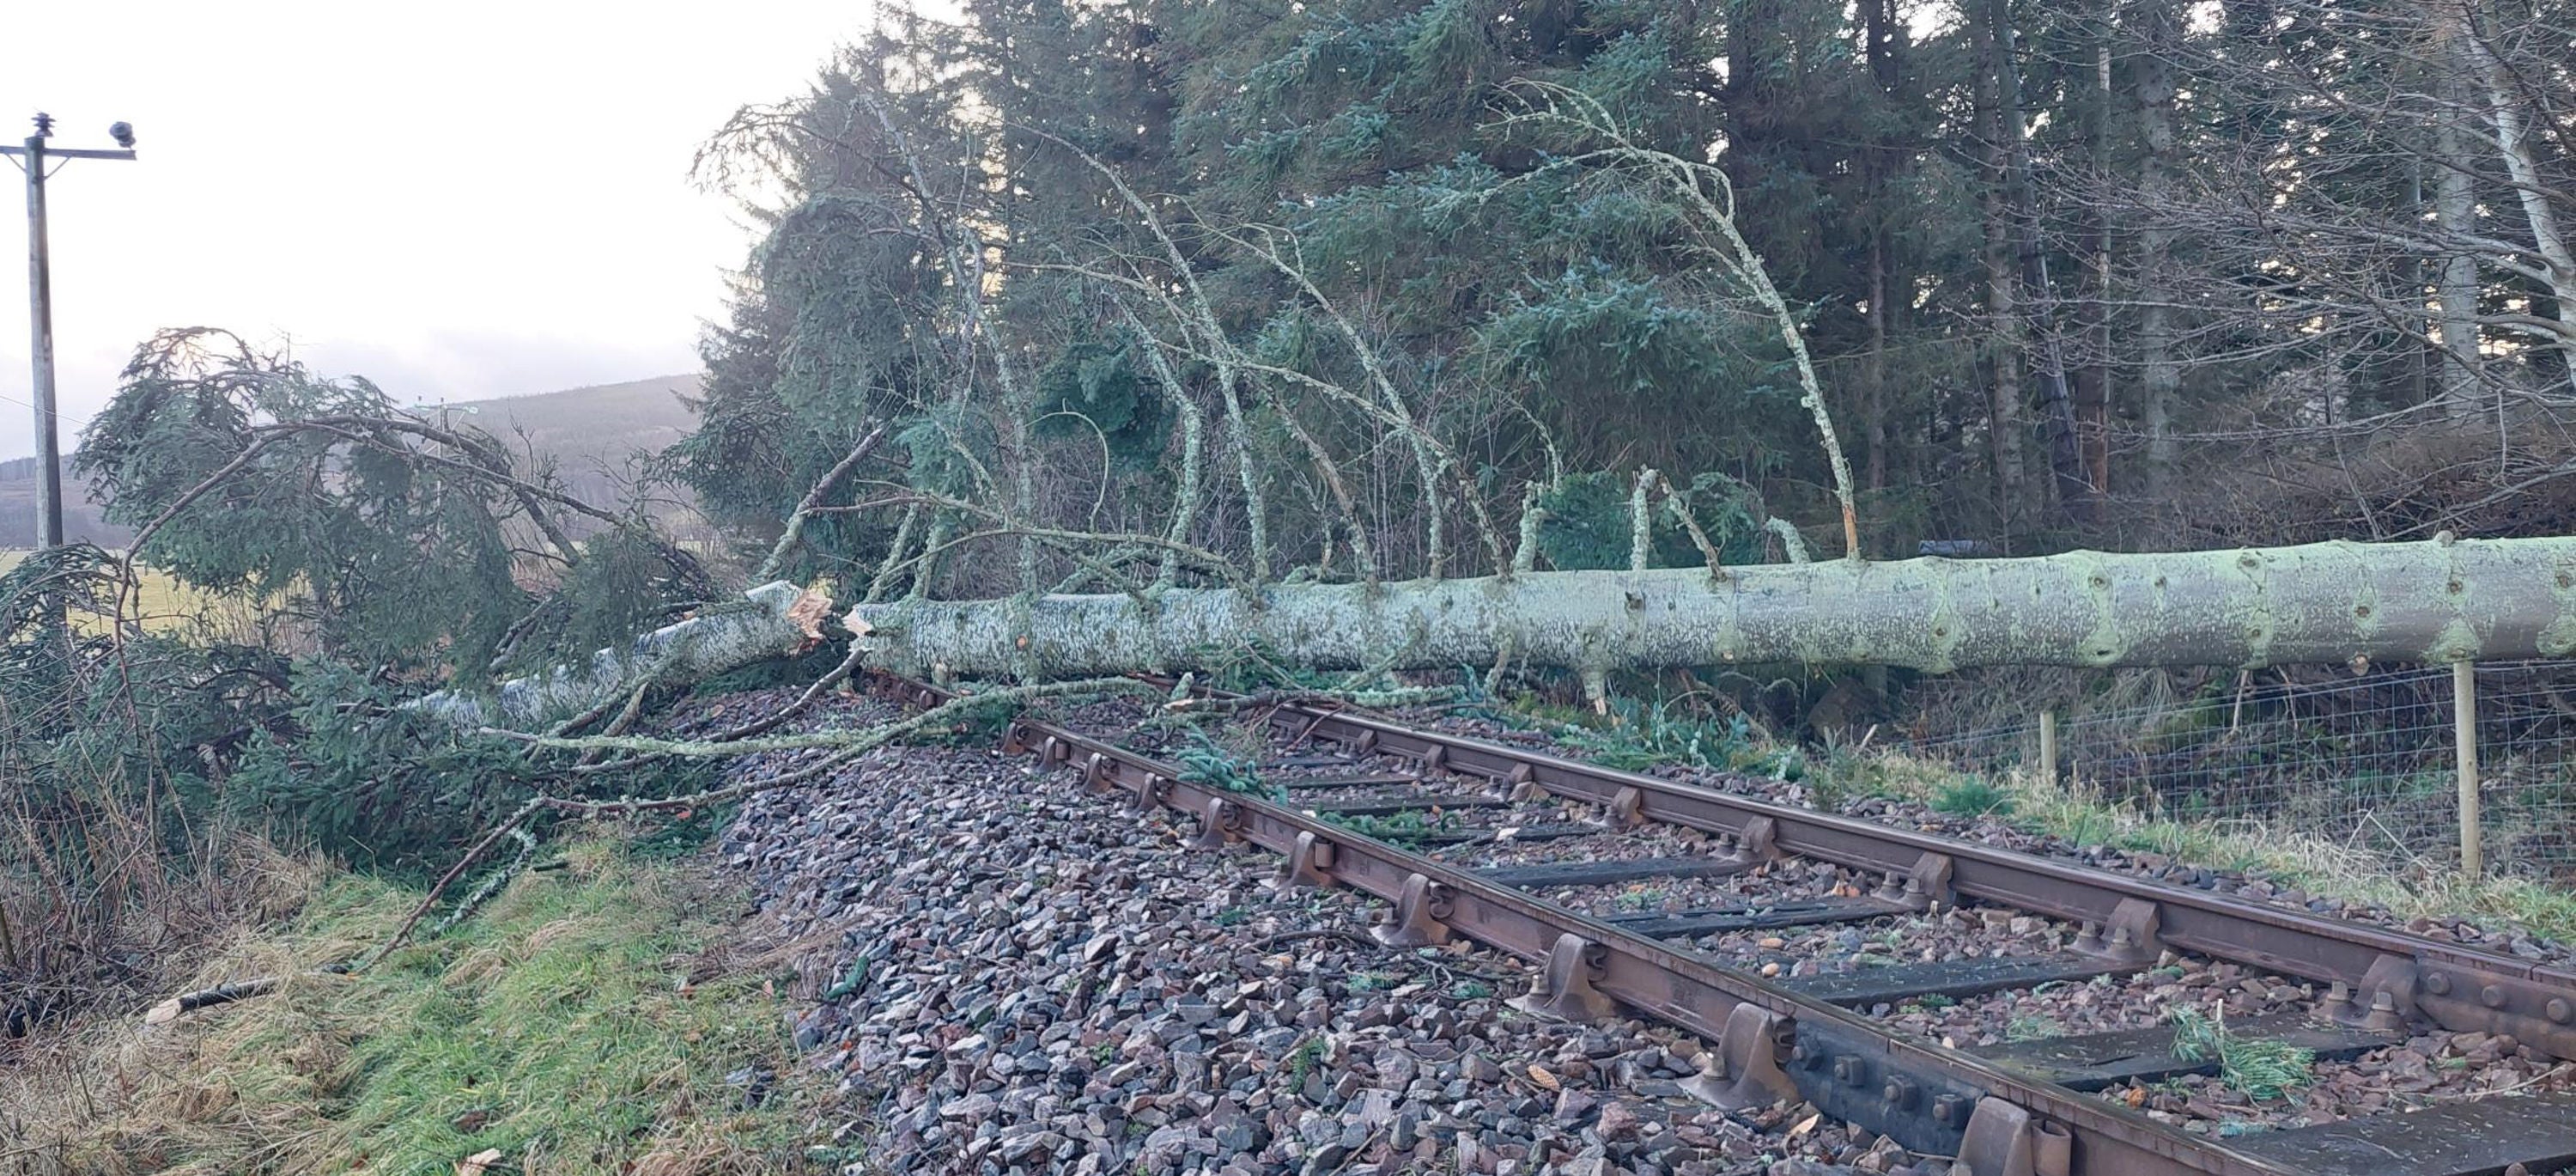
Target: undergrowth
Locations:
point(600, 1018)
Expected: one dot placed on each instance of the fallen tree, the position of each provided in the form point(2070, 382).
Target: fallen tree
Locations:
point(2439, 600)
point(766, 623)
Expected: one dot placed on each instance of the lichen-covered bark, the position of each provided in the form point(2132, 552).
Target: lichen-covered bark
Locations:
point(711, 643)
point(2324, 602)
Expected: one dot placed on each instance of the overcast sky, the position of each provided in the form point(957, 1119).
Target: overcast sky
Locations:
point(458, 200)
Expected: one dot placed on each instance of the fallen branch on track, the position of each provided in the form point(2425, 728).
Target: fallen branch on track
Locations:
point(846, 746)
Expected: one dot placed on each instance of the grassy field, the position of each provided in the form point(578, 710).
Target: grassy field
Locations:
point(165, 606)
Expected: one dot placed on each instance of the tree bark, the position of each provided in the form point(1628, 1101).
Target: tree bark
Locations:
point(2159, 376)
point(2092, 377)
point(2003, 342)
point(2522, 165)
point(2320, 603)
point(2455, 210)
point(765, 624)
point(2065, 458)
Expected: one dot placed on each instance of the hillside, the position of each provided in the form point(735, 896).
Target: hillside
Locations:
point(593, 428)
point(81, 522)
point(589, 433)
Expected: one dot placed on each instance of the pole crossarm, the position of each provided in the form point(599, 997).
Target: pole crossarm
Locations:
point(71, 152)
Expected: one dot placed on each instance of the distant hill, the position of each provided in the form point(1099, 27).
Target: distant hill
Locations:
point(81, 522)
point(599, 425)
point(589, 433)
point(592, 434)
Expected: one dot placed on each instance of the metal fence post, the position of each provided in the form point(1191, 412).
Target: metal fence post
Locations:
point(2464, 724)
point(2048, 748)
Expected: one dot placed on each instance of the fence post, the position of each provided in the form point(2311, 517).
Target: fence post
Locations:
point(2464, 724)
point(2048, 749)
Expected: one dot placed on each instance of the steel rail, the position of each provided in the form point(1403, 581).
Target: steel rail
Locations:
point(1769, 1042)
point(2457, 987)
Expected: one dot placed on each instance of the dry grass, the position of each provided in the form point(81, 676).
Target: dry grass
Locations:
point(165, 605)
point(559, 1026)
point(2081, 814)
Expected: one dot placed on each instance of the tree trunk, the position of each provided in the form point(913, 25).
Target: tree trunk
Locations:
point(2065, 459)
point(2003, 320)
point(1876, 159)
point(2455, 210)
point(2092, 379)
point(2320, 603)
point(2159, 376)
point(1874, 374)
point(767, 623)
point(2522, 165)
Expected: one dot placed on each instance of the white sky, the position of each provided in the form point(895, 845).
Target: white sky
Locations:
point(459, 200)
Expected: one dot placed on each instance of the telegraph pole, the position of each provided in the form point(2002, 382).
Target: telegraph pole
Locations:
point(32, 158)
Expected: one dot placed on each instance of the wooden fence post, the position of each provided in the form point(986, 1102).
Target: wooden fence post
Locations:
point(2464, 724)
point(2048, 748)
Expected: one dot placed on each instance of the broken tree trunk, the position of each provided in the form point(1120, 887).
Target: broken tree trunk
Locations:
point(2432, 601)
point(768, 622)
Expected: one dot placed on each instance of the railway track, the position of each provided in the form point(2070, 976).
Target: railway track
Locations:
point(1489, 854)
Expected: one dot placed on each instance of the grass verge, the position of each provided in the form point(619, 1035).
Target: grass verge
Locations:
point(601, 1018)
point(1636, 739)
point(2287, 857)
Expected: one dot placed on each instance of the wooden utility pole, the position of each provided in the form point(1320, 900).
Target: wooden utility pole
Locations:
point(31, 158)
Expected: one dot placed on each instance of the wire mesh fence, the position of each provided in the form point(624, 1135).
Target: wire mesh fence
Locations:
point(2368, 762)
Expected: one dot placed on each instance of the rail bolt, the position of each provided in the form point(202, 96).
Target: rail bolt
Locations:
point(1900, 1092)
point(2560, 1011)
point(1949, 1110)
point(1851, 1070)
point(2491, 996)
point(2384, 1016)
point(2437, 983)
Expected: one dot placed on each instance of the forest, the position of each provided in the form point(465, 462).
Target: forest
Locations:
point(2146, 276)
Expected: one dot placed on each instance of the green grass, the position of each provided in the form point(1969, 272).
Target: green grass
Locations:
point(585, 1022)
point(2260, 1067)
point(2032, 1027)
point(1303, 1059)
point(1971, 796)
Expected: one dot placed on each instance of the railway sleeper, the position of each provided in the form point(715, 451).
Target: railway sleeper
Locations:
point(2483, 1138)
point(1379, 806)
point(1798, 912)
point(1381, 780)
point(2094, 1061)
point(1550, 875)
point(1888, 984)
